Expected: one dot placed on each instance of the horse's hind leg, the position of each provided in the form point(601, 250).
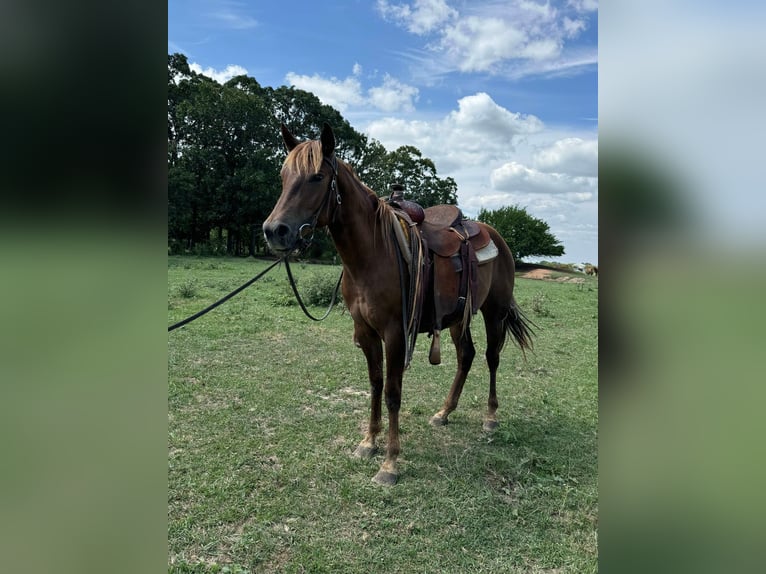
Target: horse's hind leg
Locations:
point(373, 351)
point(465, 354)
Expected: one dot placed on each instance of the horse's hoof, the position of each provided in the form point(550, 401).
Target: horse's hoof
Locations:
point(365, 451)
point(385, 478)
point(438, 421)
point(489, 426)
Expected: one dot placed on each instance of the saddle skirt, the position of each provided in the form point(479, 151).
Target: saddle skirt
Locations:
point(445, 228)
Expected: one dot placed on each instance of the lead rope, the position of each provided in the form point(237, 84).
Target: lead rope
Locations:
point(306, 242)
point(227, 297)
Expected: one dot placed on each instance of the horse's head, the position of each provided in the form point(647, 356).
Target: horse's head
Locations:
point(309, 187)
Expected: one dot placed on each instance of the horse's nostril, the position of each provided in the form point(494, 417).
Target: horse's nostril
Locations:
point(277, 234)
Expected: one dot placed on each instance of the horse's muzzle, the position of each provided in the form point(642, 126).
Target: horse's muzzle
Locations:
point(280, 236)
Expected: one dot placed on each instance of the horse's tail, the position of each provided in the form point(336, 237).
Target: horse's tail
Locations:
point(519, 327)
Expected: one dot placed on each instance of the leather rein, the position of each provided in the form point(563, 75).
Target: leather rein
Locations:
point(304, 243)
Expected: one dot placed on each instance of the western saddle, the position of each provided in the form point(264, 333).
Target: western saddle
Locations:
point(451, 266)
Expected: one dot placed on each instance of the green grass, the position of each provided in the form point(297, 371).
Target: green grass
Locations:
point(265, 408)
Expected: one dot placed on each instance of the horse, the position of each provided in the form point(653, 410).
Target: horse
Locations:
point(319, 190)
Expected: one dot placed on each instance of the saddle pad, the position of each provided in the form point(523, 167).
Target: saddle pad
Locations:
point(487, 253)
point(401, 232)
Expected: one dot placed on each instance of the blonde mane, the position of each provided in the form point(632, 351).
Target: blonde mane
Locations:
point(306, 158)
point(385, 217)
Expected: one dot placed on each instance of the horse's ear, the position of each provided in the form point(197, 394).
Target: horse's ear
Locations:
point(289, 139)
point(328, 140)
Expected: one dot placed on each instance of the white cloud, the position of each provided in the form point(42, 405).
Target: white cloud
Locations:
point(521, 31)
point(568, 64)
point(422, 17)
point(390, 96)
point(583, 5)
point(572, 28)
point(231, 14)
point(475, 44)
point(479, 119)
point(573, 156)
point(499, 157)
point(478, 130)
point(518, 36)
point(515, 177)
point(340, 94)
point(545, 12)
point(393, 95)
point(235, 21)
point(220, 76)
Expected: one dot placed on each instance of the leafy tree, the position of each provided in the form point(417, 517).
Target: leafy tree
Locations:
point(369, 163)
point(225, 153)
point(305, 115)
point(406, 165)
point(222, 172)
point(525, 235)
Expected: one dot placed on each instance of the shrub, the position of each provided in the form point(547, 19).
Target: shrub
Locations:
point(317, 288)
point(540, 305)
point(285, 296)
point(188, 289)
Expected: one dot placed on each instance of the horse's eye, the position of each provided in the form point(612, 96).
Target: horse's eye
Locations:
point(317, 177)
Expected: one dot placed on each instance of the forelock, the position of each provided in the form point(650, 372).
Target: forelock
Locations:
point(306, 158)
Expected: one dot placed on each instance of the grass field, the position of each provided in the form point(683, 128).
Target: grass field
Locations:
point(265, 408)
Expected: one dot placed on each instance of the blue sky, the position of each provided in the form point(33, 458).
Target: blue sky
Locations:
point(501, 95)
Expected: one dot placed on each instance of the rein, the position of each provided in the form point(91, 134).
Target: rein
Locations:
point(222, 300)
point(304, 243)
point(227, 297)
point(333, 299)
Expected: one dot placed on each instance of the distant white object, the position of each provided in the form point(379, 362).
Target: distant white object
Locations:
point(579, 266)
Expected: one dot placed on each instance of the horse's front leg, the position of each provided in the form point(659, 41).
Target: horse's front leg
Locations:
point(370, 343)
point(395, 351)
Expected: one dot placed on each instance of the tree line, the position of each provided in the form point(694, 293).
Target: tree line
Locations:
point(225, 153)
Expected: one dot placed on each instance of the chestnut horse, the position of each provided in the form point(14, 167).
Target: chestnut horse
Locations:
point(319, 190)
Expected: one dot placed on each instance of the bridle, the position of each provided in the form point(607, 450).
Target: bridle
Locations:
point(305, 240)
point(306, 231)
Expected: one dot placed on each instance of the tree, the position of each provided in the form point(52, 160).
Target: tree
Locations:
point(223, 171)
point(525, 235)
point(225, 152)
point(378, 169)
